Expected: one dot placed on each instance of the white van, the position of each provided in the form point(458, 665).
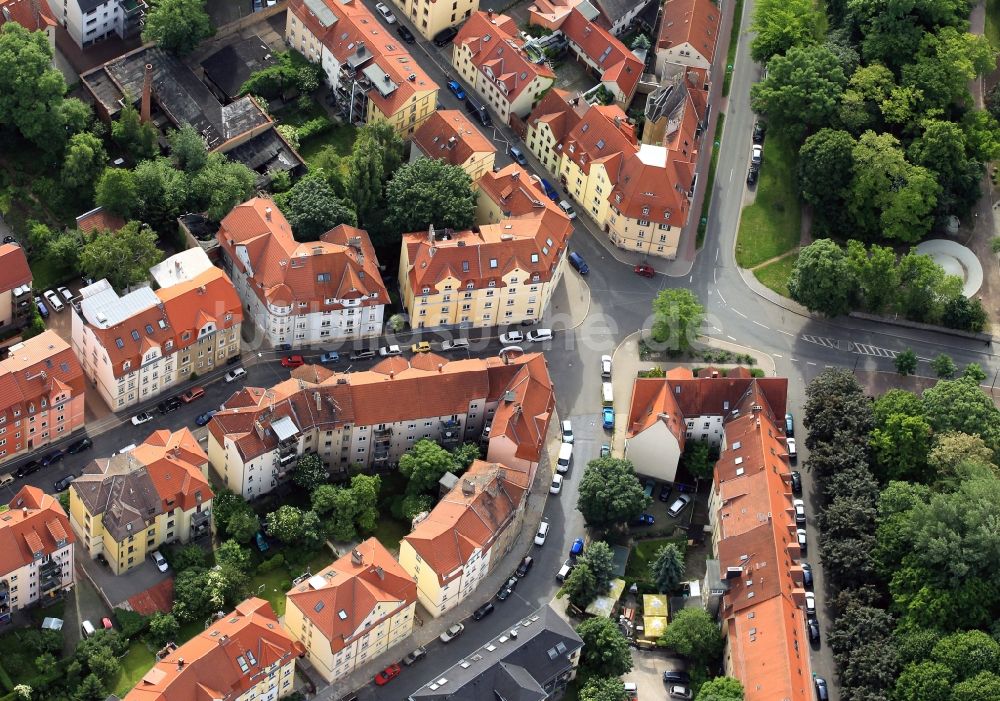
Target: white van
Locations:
point(607, 394)
point(88, 629)
point(126, 449)
point(565, 458)
point(540, 335)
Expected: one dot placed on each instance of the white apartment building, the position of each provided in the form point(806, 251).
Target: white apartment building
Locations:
point(90, 21)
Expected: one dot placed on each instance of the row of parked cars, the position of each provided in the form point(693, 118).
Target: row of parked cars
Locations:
point(57, 300)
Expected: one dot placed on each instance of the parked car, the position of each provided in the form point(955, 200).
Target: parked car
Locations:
point(141, 418)
point(363, 354)
point(292, 361)
point(281, 347)
point(192, 394)
point(107, 624)
point(456, 89)
point(608, 418)
point(508, 588)
point(80, 446)
point(415, 656)
point(517, 155)
point(606, 366)
point(512, 338)
point(643, 520)
point(800, 533)
point(53, 457)
point(792, 452)
point(676, 676)
point(10, 239)
point(789, 425)
point(455, 343)
point(542, 533)
point(800, 511)
point(405, 34)
point(567, 568)
point(813, 626)
point(756, 154)
point(679, 692)
point(525, 566)
point(664, 495)
point(578, 263)
point(567, 432)
point(807, 575)
point(576, 549)
point(387, 674)
point(822, 692)
point(160, 561)
point(88, 629)
point(53, 299)
point(65, 294)
point(644, 270)
point(605, 450)
point(483, 611)
point(680, 503)
point(810, 603)
point(540, 335)
point(330, 357)
point(421, 347)
point(758, 132)
point(752, 174)
point(452, 633)
point(235, 374)
point(557, 482)
point(27, 468)
point(796, 483)
point(42, 309)
point(203, 419)
point(62, 484)
point(567, 209)
point(389, 351)
point(261, 542)
point(169, 405)
point(386, 13)
point(445, 36)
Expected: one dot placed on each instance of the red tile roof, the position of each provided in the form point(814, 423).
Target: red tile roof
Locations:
point(34, 522)
point(448, 135)
point(339, 598)
point(176, 464)
point(558, 111)
point(33, 16)
point(694, 22)
point(285, 271)
point(40, 368)
point(14, 270)
point(617, 64)
point(470, 517)
point(497, 52)
point(99, 220)
point(225, 661)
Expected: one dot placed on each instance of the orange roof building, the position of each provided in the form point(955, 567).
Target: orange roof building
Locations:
point(129, 504)
point(16, 308)
point(378, 414)
point(448, 135)
point(41, 395)
point(313, 292)
point(689, 33)
point(501, 272)
point(99, 219)
point(614, 15)
point(489, 56)
point(551, 120)
point(619, 68)
point(135, 346)
point(371, 73)
point(244, 655)
point(36, 551)
point(33, 16)
point(455, 546)
point(352, 611)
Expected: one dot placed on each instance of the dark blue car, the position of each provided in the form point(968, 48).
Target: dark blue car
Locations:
point(203, 419)
point(52, 458)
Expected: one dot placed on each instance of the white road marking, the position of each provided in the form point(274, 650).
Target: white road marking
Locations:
point(809, 362)
point(732, 172)
point(794, 360)
point(760, 324)
point(715, 276)
point(716, 255)
point(777, 356)
point(737, 311)
point(730, 338)
point(787, 333)
point(722, 298)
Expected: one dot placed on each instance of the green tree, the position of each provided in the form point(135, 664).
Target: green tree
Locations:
point(982, 133)
point(781, 25)
point(667, 568)
point(721, 689)
point(413, 504)
point(868, 91)
point(285, 523)
point(821, 278)
point(968, 654)
point(429, 192)
point(292, 71)
point(603, 689)
point(826, 171)
point(425, 464)
point(924, 288)
point(900, 447)
point(466, 454)
point(177, 25)
point(90, 689)
point(365, 492)
point(224, 505)
point(960, 312)
point(310, 472)
point(116, 192)
point(944, 366)
point(906, 362)
point(31, 88)
point(232, 554)
point(801, 90)
point(221, 185)
point(188, 557)
point(581, 586)
point(875, 272)
point(837, 411)
point(23, 692)
point(697, 459)
point(187, 149)
point(162, 191)
point(941, 148)
point(677, 318)
point(163, 628)
point(982, 687)
point(123, 257)
point(337, 507)
point(694, 635)
point(605, 650)
point(135, 137)
point(600, 560)
point(243, 526)
point(609, 493)
point(365, 180)
point(83, 162)
point(943, 66)
point(959, 405)
point(191, 595)
point(313, 208)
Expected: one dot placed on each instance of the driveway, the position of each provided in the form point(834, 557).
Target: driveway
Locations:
point(84, 603)
point(118, 589)
point(647, 672)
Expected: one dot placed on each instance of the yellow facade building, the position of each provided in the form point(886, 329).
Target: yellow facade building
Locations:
point(448, 135)
point(432, 16)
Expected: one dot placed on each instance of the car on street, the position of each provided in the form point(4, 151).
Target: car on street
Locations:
point(644, 270)
point(822, 692)
point(796, 483)
point(542, 533)
point(578, 263)
point(169, 405)
point(800, 511)
point(452, 633)
point(679, 692)
point(524, 566)
point(292, 361)
point(203, 419)
point(567, 209)
point(141, 418)
point(405, 34)
point(445, 36)
point(539, 335)
point(752, 175)
point(27, 468)
point(813, 626)
point(608, 418)
point(386, 13)
point(281, 347)
point(106, 623)
point(810, 603)
point(456, 89)
point(160, 561)
point(235, 374)
point(387, 674)
point(800, 533)
point(789, 425)
point(756, 154)
point(508, 587)
point(512, 338)
point(483, 611)
point(792, 452)
point(643, 520)
point(455, 343)
point(389, 351)
point(53, 299)
point(42, 309)
point(676, 676)
point(576, 549)
point(807, 575)
point(192, 394)
point(65, 294)
point(680, 503)
point(567, 432)
point(10, 239)
point(62, 484)
point(518, 156)
point(421, 347)
point(557, 482)
point(53, 457)
point(330, 357)
point(363, 354)
point(605, 450)
point(606, 366)
point(758, 132)
point(80, 446)
point(415, 656)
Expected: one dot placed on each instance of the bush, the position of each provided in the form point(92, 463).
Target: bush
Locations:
point(130, 622)
point(314, 127)
point(5, 680)
point(271, 564)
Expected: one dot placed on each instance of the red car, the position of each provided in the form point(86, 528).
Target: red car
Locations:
point(192, 394)
point(387, 674)
point(644, 270)
point(106, 623)
point(292, 361)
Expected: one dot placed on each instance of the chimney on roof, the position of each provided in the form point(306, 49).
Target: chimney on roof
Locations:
point(356, 557)
point(618, 122)
point(468, 488)
point(180, 663)
point(267, 213)
point(440, 367)
point(147, 94)
point(361, 48)
point(380, 573)
point(386, 77)
point(24, 511)
point(430, 235)
point(451, 142)
point(319, 401)
point(489, 13)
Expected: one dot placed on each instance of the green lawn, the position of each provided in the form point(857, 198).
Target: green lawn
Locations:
point(644, 552)
point(46, 274)
point(775, 274)
point(275, 583)
point(389, 532)
point(18, 660)
point(771, 225)
point(137, 661)
point(340, 138)
point(734, 39)
point(992, 31)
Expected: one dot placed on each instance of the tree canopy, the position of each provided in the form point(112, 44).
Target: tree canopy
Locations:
point(177, 25)
point(313, 208)
point(123, 257)
point(605, 650)
point(429, 192)
point(609, 493)
point(677, 318)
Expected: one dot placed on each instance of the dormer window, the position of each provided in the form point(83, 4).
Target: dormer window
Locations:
point(426, 291)
point(126, 366)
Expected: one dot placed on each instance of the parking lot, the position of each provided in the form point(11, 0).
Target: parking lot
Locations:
point(647, 672)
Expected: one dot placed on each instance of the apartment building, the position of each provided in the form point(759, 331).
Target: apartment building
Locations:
point(126, 506)
point(689, 33)
point(448, 135)
point(32, 15)
point(618, 68)
point(614, 15)
point(136, 346)
point(302, 293)
point(90, 21)
point(352, 611)
point(431, 16)
point(371, 74)
point(489, 55)
point(16, 306)
point(36, 552)
point(244, 655)
point(498, 273)
point(41, 395)
point(753, 533)
point(370, 418)
point(455, 546)
point(550, 123)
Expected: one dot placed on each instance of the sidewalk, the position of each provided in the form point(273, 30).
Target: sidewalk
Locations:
point(427, 628)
